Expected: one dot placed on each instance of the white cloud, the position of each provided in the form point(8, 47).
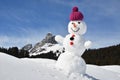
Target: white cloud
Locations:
point(27, 35)
point(3, 39)
point(103, 41)
point(6, 41)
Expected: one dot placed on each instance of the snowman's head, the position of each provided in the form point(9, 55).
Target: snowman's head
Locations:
point(76, 24)
point(77, 27)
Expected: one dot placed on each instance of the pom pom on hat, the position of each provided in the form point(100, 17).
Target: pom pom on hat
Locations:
point(76, 15)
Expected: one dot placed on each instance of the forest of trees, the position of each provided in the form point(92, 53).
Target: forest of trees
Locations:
point(102, 56)
point(14, 51)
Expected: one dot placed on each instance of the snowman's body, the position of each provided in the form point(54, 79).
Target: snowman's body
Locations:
point(71, 61)
point(74, 46)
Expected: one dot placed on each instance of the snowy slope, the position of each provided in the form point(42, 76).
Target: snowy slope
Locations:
point(12, 68)
point(113, 68)
point(27, 69)
point(102, 74)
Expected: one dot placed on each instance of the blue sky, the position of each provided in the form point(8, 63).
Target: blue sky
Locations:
point(28, 21)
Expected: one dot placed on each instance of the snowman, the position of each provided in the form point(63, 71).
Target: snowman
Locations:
point(71, 61)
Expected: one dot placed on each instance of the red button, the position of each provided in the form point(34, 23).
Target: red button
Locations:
point(71, 43)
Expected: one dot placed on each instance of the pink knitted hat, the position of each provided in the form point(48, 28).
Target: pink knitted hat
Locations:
point(76, 15)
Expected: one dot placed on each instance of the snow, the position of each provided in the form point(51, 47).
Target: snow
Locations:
point(102, 74)
point(12, 68)
point(113, 68)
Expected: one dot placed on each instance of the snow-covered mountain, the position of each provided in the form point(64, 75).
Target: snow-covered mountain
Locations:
point(45, 46)
point(49, 38)
point(12, 68)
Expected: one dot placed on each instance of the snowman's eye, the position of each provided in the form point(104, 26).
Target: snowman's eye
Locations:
point(72, 23)
point(78, 22)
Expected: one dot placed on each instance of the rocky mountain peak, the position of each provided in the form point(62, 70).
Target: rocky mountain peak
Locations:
point(49, 38)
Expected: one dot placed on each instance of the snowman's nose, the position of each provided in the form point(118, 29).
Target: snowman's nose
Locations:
point(74, 25)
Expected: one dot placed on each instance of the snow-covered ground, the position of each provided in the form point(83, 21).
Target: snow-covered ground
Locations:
point(113, 68)
point(12, 68)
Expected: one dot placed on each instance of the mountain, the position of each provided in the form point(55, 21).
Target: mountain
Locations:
point(49, 38)
point(12, 68)
point(47, 48)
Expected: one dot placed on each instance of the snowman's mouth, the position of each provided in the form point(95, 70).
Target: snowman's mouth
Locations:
point(75, 30)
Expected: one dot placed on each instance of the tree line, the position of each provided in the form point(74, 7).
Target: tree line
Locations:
point(103, 56)
point(14, 51)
